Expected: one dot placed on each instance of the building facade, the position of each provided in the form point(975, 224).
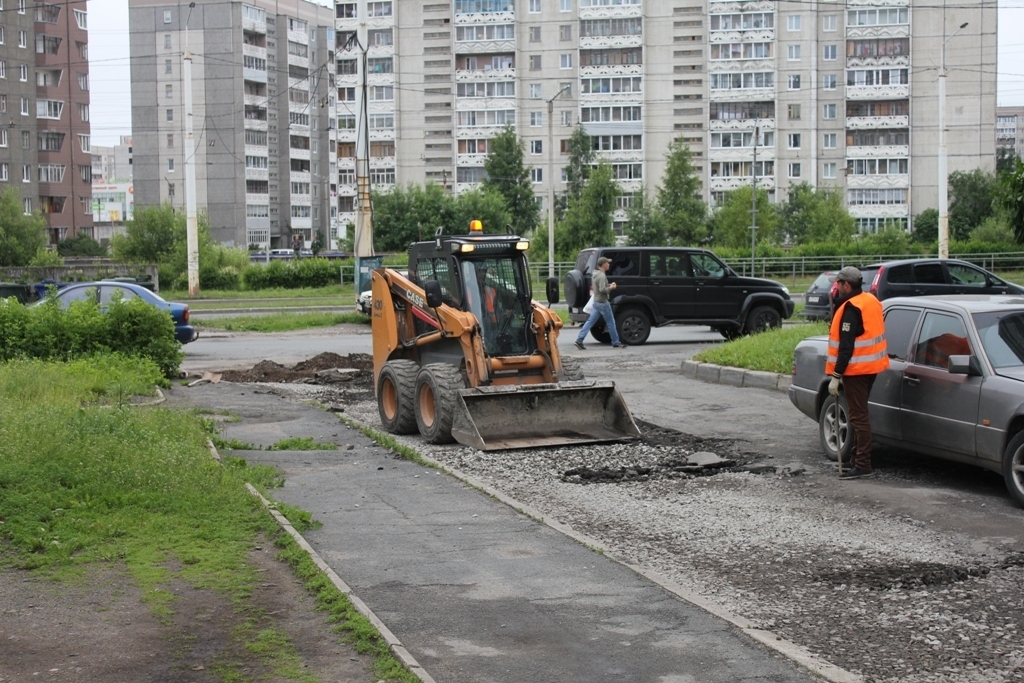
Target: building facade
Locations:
point(1010, 129)
point(44, 112)
point(114, 163)
point(264, 100)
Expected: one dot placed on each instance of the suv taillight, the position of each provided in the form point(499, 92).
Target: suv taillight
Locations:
point(878, 278)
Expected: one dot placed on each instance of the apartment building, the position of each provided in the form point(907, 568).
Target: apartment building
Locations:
point(44, 112)
point(1010, 129)
point(767, 92)
point(111, 164)
point(264, 97)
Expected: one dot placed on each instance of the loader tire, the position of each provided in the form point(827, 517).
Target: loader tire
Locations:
point(396, 396)
point(437, 390)
point(571, 370)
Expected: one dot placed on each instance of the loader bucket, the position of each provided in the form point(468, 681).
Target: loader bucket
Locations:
point(498, 418)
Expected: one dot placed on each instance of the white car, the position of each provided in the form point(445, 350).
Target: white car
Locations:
point(365, 298)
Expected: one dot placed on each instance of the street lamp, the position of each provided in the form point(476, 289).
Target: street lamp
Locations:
point(551, 184)
point(943, 175)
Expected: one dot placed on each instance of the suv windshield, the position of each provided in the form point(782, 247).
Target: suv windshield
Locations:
point(822, 282)
point(1002, 336)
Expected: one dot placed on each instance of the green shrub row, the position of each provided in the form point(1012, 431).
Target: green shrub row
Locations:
point(307, 272)
point(131, 328)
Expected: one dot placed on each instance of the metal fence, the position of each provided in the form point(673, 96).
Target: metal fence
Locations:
point(82, 272)
point(802, 267)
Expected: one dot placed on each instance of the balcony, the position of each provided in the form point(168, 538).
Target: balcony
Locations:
point(295, 153)
point(616, 12)
point(254, 100)
point(760, 35)
point(253, 25)
point(466, 187)
point(878, 151)
point(382, 134)
point(742, 94)
point(742, 124)
point(607, 42)
point(470, 159)
point(382, 162)
point(261, 199)
point(484, 103)
point(255, 124)
point(741, 6)
point(610, 98)
point(300, 176)
point(466, 75)
point(301, 223)
point(304, 199)
point(877, 92)
point(485, 18)
point(879, 210)
point(254, 75)
point(256, 174)
point(254, 51)
point(875, 3)
point(878, 181)
point(766, 153)
point(298, 37)
point(736, 182)
point(612, 70)
point(872, 122)
point(893, 31)
point(257, 150)
point(885, 61)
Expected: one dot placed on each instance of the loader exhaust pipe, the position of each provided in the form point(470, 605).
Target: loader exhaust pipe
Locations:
point(493, 418)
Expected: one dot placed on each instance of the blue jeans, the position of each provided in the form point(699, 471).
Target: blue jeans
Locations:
point(601, 309)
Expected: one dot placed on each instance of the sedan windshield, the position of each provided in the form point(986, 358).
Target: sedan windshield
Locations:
point(1002, 336)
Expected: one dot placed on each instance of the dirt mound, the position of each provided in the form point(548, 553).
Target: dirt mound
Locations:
point(311, 371)
point(326, 361)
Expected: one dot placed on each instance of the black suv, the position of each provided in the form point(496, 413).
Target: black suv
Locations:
point(931, 276)
point(659, 286)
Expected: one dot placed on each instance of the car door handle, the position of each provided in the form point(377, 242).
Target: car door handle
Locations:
point(655, 282)
point(913, 381)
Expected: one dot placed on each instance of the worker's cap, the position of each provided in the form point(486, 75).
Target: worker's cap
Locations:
point(847, 274)
point(603, 260)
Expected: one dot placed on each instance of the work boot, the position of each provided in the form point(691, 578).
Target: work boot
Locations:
point(579, 345)
point(856, 474)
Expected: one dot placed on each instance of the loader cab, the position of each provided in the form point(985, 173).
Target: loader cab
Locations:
point(485, 275)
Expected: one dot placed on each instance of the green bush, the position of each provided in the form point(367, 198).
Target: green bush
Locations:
point(223, 278)
point(131, 328)
point(307, 272)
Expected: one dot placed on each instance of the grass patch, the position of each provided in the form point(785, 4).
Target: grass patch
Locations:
point(299, 443)
point(769, 351)
point(331, 292)
point(281, 322)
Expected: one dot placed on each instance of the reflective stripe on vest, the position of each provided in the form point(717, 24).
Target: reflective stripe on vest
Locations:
point(870, 356)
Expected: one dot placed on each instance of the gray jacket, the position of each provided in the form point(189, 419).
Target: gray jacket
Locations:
point(599, 284)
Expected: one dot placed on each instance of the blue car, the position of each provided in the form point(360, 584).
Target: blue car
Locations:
point(103, 293)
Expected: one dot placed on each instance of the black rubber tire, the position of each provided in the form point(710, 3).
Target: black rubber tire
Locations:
point(1013, 468)
point(634, 326)
point(762, 319)
point(729, 332)
point(571, 370)
point(437, 390)
point(600, 333)
point(834, 429)
point(575, 292)
point(396, 392)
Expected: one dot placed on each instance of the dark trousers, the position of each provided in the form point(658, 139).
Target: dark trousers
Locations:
point(857, 389)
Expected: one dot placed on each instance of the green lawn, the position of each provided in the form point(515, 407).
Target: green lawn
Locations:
point(769, 351)
point(340, 292)
point(280, 322)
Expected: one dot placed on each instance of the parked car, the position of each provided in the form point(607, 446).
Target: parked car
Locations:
point(954, 388)
point(932, 276)
point(818, 299)
point(659, 286)
point(365, 298)
point(103, 292)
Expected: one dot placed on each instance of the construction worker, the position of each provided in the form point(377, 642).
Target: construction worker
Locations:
point(856, 354)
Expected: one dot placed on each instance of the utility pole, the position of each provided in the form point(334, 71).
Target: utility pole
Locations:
point(551, 183)
point(753, 203)
point(363, 241)
point(943, 173)
point(191, 224)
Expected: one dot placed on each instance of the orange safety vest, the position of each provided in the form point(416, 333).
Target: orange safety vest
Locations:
point(870, 356)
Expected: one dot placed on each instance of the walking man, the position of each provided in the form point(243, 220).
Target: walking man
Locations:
point(602, 307)
point(856, 354)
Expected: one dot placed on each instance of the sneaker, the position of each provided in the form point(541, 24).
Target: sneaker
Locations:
point(856, 474)
point(618, 346)
point(579, 345)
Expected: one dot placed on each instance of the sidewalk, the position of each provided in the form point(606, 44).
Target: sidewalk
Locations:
point(475, 590)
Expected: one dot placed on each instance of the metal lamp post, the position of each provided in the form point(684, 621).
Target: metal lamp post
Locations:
point(551, 183)
point(943, 174)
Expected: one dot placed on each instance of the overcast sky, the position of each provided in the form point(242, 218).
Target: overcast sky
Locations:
point(111, 90)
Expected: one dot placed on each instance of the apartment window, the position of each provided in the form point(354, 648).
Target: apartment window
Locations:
point(537, 175)
point(793, 140)
point(379, 9)
point(534, 6)
point(46, 111)
point(793, 22)
point(167, 16)
point(828, 170)
point(85, 173)
point(3, 137)
point(828, 141)
point(565, 89)
point(3, 37)
point(26, 139)
point(170, 115)
point(23, 73)
point(828, 111)
point(84, 142)
point(828, 82)
point(829, 53)
point(168, 91)
point(534, 62)
point(3, 69)
point(794, 82)
point(82, 18)
point(536, 147)
point(566, 118)
point(828, 22)
point(564, 5)
point(3, 103)
point(535, 91)
point(793, 112)
point(167, 66)
point(170, 140)
point(536, 118)
point(83, 112)
point(3, 172)
point(794, 170)
point(565, 32)
point(23, 39)
point(535, 34)
point(380, 93)
point(21, 6)
point(793, 53)
point(26, 173)
point(167, 41)
point(26, 205)
point(380, 36)
point(565, 61)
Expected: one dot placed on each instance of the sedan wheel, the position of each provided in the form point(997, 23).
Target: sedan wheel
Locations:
point(1013, 468)
point(835, 430)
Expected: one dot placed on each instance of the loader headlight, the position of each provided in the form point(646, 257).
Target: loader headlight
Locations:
point(466, 248)
point(523, 245)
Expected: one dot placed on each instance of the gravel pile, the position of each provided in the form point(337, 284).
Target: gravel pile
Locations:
point(886, 597)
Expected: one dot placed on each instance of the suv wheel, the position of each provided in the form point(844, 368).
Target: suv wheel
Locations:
point(634, 326)
point(762, 319)
point(574, 289)
point(730, 332)
point(600, 333)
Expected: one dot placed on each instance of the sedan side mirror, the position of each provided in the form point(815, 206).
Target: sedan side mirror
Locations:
point(433, 290)
point(964, 365)
point(552, 287)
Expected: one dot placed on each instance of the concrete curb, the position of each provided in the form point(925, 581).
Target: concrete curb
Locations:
point(737, 377)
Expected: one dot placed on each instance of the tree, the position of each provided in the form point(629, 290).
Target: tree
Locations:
point(1006, 160)
point(1012, 199)
point(581, 157)
point(508, 175)
point(149, 236)
point(588, 218)
point(483, 204)
point(926, 226)
point(731, 223)
point(971, 198)
point(21, 236)
point(993, 230)
point(80, 245)
point(411, 214)
point(645, 226)
point(683, 212)
point(812, 215)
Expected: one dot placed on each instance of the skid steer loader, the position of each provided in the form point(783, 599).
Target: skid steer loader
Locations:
point(461, 352)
